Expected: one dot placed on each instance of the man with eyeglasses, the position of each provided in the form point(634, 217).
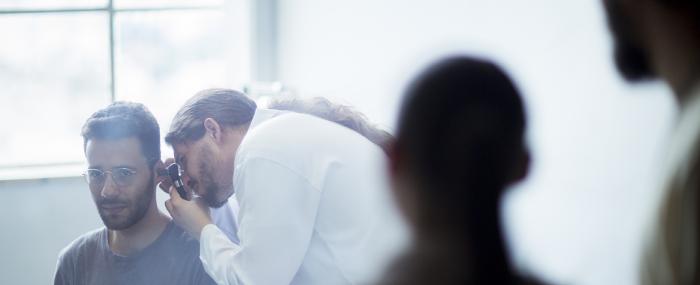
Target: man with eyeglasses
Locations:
point(139, 244)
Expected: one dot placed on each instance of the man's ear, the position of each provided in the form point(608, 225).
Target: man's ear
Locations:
point(405, 198)
point(159, 172)
point(393, 158)
point(213, 129)
point(394, 170)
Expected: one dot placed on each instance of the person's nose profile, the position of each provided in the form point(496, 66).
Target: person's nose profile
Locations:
point(109, 189)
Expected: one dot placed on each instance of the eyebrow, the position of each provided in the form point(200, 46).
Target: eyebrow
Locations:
point(115, 167)
point(124, 166)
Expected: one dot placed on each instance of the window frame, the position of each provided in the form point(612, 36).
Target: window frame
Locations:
point(22, 171)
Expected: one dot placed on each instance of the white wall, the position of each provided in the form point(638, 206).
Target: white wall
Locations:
point(38, 218)
point(579, 217)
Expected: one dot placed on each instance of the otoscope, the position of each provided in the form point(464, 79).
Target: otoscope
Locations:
point(174, 173)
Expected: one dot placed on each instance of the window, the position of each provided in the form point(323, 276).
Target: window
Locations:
point(62, 60)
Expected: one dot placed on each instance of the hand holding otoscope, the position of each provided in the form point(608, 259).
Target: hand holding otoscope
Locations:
point(187, 210)
point(176, 178)
point(173, 175)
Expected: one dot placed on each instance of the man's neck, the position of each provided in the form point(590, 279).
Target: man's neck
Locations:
point(140, 235)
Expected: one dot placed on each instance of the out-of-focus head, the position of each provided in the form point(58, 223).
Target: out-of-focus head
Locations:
point(122, 148)
point(205, 135)
point(460, 140)
point(634, 27)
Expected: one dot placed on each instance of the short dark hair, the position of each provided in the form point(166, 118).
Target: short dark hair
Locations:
point(125, 120)
point(228, 107)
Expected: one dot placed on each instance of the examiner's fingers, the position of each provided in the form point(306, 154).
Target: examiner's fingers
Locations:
point(175, 195)
point(169, 207)
point(165, 185)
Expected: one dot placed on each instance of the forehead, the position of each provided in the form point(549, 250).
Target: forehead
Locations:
point(107, 153)
point(183, 149)
point(180, 150)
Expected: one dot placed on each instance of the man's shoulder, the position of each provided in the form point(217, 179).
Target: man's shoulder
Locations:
point(84, 244)
point(75, 256)
point(177, 238)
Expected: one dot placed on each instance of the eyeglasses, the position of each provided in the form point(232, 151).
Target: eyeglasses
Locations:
point(121, 176)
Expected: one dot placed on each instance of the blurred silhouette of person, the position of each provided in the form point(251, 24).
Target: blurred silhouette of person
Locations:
point(661, 39)
point(459, 145)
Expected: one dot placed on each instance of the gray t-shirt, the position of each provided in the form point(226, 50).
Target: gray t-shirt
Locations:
point(173, 258)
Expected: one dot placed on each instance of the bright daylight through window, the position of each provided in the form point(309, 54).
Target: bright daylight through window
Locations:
point(62, 60)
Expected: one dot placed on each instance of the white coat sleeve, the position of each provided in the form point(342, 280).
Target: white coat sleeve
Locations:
point(276, 220)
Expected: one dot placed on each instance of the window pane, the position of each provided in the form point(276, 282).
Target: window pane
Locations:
point(164, 57)
point(50, 4)
point(53, 74)
point(164, 3)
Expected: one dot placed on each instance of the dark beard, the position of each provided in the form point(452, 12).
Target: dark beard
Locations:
point(211, 191)
point(212, 200)
point(207, 181)
point(137, 212)
point(631, 59)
